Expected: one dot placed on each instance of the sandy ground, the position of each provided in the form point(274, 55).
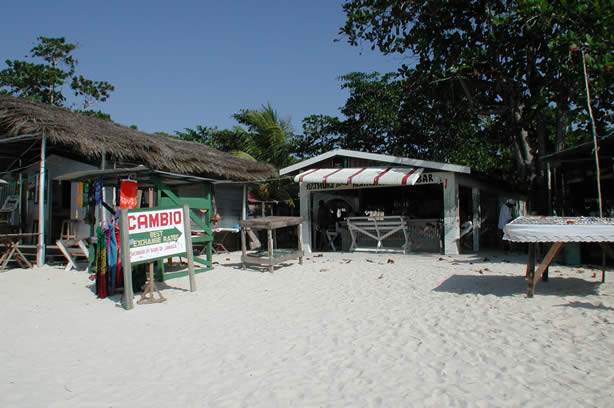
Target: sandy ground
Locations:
point(342, 330)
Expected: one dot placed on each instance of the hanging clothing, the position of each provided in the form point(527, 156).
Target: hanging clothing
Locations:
point(101, 264)
point(98, 190)
point(128, 192)
point(111, 258)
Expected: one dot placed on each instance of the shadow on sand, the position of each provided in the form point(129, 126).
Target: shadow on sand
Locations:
point(587, 305)
point(516, 285)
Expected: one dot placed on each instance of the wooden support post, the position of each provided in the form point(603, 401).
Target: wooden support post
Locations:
point(543, 265)
point(128, 296)
point(299, 228)
point(40, 248)
point(530, 274)
point(243, 246)
point(550, 255)
point(189, 250)
point(269, 234)
point(608, 251)
point(148, 295)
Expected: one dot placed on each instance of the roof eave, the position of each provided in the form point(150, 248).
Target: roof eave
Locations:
point(375, 157)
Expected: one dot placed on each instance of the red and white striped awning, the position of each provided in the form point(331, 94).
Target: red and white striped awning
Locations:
point(391, 176)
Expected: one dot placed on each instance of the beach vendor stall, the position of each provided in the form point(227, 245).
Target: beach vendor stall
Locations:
point(153, 188)
point(558, 231)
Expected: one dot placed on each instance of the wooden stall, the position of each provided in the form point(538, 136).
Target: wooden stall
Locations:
point(272, 256)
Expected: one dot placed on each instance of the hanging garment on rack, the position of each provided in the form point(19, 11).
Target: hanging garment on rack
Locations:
point(111, 258)
point(89, 197)
point(119, 281)
point(101, 264)
point(98, 190)
point(128, 192)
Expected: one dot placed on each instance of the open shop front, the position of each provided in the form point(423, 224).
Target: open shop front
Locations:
point(98, 197)
point(441, 213)
point(393, 217)
point(352, 201)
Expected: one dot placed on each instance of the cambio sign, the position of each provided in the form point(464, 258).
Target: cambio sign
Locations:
point(156, 234)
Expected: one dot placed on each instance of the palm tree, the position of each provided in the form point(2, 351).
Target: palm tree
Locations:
point(269, 141)
point(269, 135)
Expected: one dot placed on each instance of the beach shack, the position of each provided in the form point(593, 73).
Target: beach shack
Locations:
point(389, 203)
point(51, 158)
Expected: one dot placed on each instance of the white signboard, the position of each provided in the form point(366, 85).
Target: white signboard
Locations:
point(156, 234)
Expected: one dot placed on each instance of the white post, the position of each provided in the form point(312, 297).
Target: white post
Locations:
point(187, 229)
point(128, 296)
point(244, 203)
point(477, 219)
point(451, 216)
point(40, 250)
point(305, 198)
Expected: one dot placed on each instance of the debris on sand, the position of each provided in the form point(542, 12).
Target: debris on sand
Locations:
point(380, 276)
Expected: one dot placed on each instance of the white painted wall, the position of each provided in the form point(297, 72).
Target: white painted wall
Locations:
point(451, 215)
point(305, 199)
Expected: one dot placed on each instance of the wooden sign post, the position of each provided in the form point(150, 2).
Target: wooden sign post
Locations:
point(148, 235)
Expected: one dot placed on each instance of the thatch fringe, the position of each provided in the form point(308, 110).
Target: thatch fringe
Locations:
point(92, 137)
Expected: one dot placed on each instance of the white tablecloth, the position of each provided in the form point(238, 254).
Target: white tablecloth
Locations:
point(560, 229)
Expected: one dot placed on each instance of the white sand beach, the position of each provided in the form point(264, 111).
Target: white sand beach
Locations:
point(342, 330)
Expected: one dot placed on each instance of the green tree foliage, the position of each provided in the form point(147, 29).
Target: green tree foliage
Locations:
point(96, 114)
point(372, 111)
point(398, 115)
point(263, 136)
point(518, 65)
point(49, 81)
point(268, 135)
point(235, 140)
point(321, 133)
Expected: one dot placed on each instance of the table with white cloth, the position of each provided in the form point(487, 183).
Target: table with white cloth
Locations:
point(558, 231)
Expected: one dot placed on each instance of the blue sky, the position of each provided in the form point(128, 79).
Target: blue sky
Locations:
point(186, 63)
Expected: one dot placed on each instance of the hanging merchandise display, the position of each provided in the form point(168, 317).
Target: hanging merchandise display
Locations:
point(128, 192)
point(98, 191)
point(101, 264)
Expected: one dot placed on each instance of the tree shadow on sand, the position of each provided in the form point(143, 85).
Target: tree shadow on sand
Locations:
point(516, 285)
point(587, 305)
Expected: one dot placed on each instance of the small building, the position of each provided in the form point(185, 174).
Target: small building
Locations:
point(448, 208)
point(40, 144)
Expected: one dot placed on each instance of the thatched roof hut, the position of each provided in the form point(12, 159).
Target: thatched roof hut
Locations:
point(23, 122)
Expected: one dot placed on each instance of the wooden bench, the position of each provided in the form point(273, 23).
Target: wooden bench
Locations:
point(380, 233)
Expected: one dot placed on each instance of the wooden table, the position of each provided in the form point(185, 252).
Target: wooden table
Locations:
point(272, 256)
point(10, 244)
point(558, 231)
